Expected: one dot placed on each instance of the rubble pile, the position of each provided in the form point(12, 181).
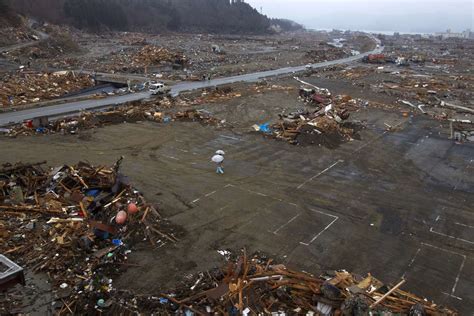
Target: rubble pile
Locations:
point(31, 87)
point(57, 45)
point(15, 35)
point(74, 223)
point(134, 112)
point(426, 93)
point(138, 62)
point(152, 55)
point(325, 52)
point(258, 286)
point(325, 126)
point(217, 95)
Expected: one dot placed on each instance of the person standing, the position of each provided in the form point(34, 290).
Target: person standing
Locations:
point(218, 158)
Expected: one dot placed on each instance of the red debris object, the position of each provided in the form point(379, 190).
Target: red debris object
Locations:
point(121, 217)
point(132, 208)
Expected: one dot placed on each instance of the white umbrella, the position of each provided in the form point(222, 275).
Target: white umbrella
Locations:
point(220, 152)
point(217, 158)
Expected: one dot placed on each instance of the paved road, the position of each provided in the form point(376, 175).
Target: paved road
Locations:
point(73, 107)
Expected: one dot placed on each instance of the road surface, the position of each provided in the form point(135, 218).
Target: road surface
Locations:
point(74, 107)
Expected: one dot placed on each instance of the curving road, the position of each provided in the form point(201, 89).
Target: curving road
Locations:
point(74, 107)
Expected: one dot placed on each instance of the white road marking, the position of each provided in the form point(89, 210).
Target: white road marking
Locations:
point(322, 172)
point(412, 261)
point(211, 193)
point(229, 137)
point(325, 228)
point(464, 225)
point(452, 237)
point(284, 225)
point(453, 296)
point(460, 268)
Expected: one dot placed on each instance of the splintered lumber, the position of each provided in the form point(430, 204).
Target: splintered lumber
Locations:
point(387, 294)
point(252, 284)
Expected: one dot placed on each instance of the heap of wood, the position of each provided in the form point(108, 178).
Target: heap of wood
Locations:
point(152, 55)
point(25, 88)
point(75, 224)
point(260, 287)
point(315, 126)
point(139, 61)
point(325, 52)
point(133, 112)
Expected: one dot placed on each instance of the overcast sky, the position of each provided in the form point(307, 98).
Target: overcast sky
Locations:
point(374, 15)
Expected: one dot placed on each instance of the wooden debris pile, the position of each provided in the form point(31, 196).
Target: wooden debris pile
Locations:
point(152, 55)
point(74, 223)
point(217, 95)
point(258, 286)
point(325, 52)
point(326, 125)
point(15, 35)
point(133, 112)
point(139, 61)
point(25, 88)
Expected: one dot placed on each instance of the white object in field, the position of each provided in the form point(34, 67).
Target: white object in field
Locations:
point(218, 158)
point(220, 152)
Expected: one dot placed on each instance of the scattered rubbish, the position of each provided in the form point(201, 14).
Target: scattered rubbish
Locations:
point(258, 285)
point(69, 205)
point(133, 112)
point(26, 88)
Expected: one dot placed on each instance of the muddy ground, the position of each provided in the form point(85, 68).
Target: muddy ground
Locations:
point(394, 203)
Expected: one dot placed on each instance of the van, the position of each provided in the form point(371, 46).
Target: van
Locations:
point(157, 88)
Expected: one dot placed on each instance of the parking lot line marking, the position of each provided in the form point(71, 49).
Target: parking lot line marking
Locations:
point(442, 249)
point(459, 274)
point(412, 261)
point(209, 194)
point(414, 257)
point(261, 194)
point(230, 137)
point(460, 268)
point(464, 225)
point(284, 225)
point(325, 228)
point(453, 296)
point(322, 172)
point(452, 237)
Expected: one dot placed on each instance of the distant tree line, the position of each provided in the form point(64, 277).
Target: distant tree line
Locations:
point(215, 16)
point(7, 16)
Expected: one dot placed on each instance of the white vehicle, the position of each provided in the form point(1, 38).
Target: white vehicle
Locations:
point(157, 88)
point(309, 66)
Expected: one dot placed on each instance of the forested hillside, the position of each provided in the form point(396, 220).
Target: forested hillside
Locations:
point(215, 16)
